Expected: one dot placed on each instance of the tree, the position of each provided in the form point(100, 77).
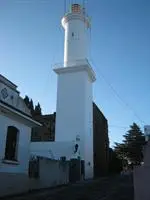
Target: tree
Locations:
point(115, 163)
point(121, 152)
point(131, 148)
point(29, 104)
point(26, 100)
point(31, 107)
point(37, 110)
point(34, 111)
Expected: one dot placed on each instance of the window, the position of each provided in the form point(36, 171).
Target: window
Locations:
point(72, 34)
point(11, 148)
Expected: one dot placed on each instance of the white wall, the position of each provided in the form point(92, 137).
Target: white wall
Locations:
point(142, 176)
point(16, 102)
point(13, 183)
point(70, 118)
point(53, 150)
point(89, 131)
point(74, 113)
point(10, 92)
point(75, 47)
point(52, 173)
point(23, 146)
point(147, 132)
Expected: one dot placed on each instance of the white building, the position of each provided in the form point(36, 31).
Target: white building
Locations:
point(15, 133)
point(74, 91)
point(141, 175)
point(74, 109)
point(147, 132)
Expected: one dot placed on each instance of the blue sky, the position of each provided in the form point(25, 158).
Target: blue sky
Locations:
point(31, 42)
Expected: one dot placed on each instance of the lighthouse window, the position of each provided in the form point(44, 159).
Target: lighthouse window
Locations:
point(72, 34)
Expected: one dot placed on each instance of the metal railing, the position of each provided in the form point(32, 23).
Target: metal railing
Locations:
point(71, 63)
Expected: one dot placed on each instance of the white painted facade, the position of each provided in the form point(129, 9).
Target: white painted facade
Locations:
point(147, 132)
point(74, 109)
point(52, 150)
point(21, 166)
point(10, 95)
point(74, 90)
point(75, 37)
point(14, 113)
point(51, 173)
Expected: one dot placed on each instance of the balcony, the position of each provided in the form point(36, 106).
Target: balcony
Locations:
point(78, 65)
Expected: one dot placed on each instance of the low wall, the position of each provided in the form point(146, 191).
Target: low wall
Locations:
point(142, 176)
point(51, 173)
point(141, 183)
point(13, 183)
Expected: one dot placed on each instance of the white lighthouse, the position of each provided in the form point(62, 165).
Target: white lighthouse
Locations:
point(74, 110)
point(75, 24)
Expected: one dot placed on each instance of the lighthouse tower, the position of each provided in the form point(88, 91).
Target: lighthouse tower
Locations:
point(74, 110)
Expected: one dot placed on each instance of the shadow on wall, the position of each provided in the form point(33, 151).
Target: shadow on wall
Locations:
point(43, 173)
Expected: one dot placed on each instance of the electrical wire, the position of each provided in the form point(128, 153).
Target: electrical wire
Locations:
point(100, 74)
point(65, 6)
point(120, 98)
point(119, 127)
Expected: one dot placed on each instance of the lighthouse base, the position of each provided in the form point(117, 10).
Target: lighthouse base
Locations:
point(74, 111)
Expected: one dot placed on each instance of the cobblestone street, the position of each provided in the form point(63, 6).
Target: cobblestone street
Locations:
point(112, 188)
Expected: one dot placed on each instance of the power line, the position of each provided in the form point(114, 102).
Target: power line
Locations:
point(65, 6)
point(119, 127)
point(118, 96)
point(111, 87)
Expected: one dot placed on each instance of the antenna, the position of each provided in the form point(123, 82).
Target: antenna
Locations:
point(83, 3)
point(65, 6)
point(85, 7)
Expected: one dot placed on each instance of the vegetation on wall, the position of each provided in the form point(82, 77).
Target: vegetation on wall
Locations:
point(35, 110)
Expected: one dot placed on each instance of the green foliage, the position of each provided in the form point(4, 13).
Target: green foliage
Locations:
point(37, 110)
point(131, 149)
point(115, 163)
point(31, 106)
point(27, 100)
point(29, 103)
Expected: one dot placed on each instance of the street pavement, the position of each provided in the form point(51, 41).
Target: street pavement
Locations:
point(109, 188)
